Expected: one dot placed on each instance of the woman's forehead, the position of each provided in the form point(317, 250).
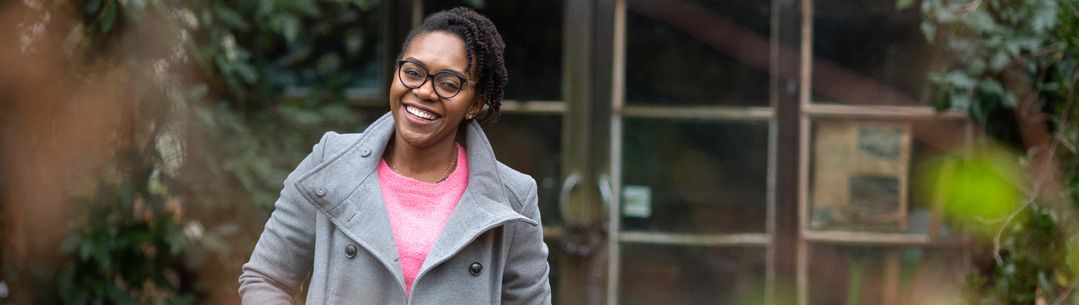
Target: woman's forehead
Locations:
point(438, 51)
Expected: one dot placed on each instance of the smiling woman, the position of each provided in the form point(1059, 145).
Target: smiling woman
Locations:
point(415, 209)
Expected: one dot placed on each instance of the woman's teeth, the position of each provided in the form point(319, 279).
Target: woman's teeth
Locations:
point(420, 113)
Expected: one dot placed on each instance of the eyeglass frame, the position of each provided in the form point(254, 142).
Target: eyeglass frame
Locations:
point(464, 80)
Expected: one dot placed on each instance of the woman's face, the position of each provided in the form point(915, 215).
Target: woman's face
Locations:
point(423, 117)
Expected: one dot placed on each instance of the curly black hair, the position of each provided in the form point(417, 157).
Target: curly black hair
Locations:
point(483, 44)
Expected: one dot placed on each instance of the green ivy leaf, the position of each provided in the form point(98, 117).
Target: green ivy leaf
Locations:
point(91, 7)
point(118, 296)
point(903, 4)
point(354, 41)
point(102, 257)
point(230, 17)
point(929, 30)
point(328, 63)
point(85, 250)
point(308, 8)
point(246, 72)
point(107, 17)
point(288, 26)
point(186, 299)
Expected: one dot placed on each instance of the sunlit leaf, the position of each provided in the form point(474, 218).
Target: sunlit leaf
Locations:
point(979, 190)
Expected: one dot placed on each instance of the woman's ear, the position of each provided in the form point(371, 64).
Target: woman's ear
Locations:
point(476, 107)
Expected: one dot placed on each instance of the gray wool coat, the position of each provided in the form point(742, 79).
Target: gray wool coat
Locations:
point(330, 223)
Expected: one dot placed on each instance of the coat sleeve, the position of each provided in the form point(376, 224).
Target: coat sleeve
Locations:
point(283, 255)
point(525, 279)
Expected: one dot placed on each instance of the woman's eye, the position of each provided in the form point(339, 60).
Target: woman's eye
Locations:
point(412, 74)
point(449, 85)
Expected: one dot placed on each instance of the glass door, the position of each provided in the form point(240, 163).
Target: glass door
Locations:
point(692, 142)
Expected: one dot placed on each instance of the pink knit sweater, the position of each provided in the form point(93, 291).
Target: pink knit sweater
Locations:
point(418, 210)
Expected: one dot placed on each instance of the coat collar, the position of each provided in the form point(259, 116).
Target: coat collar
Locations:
point(346, 189)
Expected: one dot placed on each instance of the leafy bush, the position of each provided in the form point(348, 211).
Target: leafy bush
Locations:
point(208, 131)
point(1014, 71)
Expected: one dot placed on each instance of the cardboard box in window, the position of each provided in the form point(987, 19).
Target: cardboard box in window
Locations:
point(860, 176)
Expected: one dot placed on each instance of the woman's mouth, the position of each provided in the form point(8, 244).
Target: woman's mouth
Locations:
point(420, 113)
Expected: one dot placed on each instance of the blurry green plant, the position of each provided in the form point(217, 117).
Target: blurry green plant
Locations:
point(209, 132)
point(976, 189)
point(126, 250)
point(1013, 69)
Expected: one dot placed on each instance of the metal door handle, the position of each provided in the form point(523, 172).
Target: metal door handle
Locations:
point(582, 237)
point(563, 195)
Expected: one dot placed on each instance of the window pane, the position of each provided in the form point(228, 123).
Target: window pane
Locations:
point(886, 276)
point(655, 274)
point(694, 176)
point(697, 52)
point(532, 144)
point(861, 173)
point(869, 52)
point(532, 31)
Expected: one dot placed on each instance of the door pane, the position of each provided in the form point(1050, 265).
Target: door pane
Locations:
point(697, 52)
point(694, 176)
point(862, 173)
point(532, 144)
point(654, 274)
point(532, 31)
point(885, 276)
point(869, 52)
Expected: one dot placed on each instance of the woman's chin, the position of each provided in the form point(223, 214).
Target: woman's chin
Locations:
point(418, 138)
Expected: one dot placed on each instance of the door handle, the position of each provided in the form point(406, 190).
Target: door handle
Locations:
point(581, 237)
point(563, 195)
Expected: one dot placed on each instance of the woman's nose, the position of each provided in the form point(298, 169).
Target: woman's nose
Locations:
point(426, 90)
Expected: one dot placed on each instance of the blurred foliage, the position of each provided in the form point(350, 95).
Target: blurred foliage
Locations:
point(974, 188)
point(1008, 59)
point(127, 259)
point(209, 133)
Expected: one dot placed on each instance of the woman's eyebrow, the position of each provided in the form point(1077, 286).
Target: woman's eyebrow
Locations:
point(424, 65)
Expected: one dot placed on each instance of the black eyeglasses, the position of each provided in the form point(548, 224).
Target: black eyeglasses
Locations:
point(447, 84)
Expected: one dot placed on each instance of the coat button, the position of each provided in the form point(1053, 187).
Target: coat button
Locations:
point(475, 269)
point(350, 251)
point(320, 192)
point(365, 152)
